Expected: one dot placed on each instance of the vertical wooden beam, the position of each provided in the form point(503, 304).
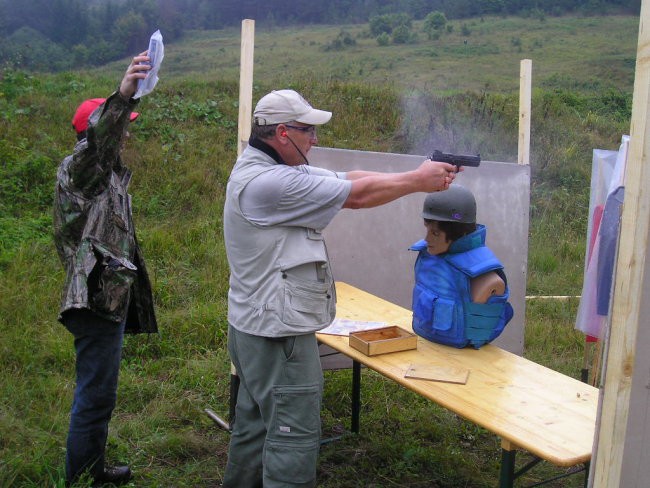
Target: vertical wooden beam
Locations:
point(628, 288)
point(243, 132)
point(525, 90)
point(245, 83)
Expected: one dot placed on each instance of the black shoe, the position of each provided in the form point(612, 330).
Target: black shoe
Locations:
point(116, 475)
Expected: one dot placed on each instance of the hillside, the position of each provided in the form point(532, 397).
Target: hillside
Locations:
point(576, 53)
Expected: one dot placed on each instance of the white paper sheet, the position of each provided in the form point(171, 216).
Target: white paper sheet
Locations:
point(156, 55)
point(343, 327)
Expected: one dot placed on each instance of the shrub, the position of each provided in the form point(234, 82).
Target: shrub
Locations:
point(342, 41)
point(383, 39)
point(401, 35)
point(387, 23)
point(434, 22)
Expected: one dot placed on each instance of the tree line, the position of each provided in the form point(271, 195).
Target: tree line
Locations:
point(60, 34)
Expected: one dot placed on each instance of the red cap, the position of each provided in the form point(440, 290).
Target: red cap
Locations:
point(81, 116)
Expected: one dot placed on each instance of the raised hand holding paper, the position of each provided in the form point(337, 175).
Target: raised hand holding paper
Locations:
point(156, 54)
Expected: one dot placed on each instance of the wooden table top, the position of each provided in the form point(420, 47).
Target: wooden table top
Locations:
point(527, 405)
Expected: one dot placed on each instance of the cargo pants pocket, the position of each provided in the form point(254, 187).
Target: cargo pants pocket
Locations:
point(291, 451)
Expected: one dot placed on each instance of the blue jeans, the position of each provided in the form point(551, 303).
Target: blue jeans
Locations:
point(98, 346)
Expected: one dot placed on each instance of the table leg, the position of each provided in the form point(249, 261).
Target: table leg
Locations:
point(356, 396)
point(507, 475)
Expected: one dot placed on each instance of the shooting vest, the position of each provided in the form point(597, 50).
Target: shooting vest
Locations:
point(443, 311)
point(280, 279)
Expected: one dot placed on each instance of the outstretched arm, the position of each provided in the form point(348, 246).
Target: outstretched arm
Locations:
point(93, 160)
point(371, 189)
point(357, 174)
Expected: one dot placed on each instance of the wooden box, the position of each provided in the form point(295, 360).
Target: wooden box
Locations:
point(383, 340)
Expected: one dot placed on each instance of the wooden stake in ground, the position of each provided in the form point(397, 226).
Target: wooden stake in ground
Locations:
point(617, 444)
point(525, 84)
point(243, 133)
point(246, 83)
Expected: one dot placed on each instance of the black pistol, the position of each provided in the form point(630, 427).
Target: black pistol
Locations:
point(456, 159)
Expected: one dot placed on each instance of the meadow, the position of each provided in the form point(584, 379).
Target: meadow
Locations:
point(395, 98)
point(478, 54)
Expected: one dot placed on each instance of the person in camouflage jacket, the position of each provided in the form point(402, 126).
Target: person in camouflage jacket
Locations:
point(107, 290)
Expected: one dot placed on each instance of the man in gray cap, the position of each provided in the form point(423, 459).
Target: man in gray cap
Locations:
point(281, 287)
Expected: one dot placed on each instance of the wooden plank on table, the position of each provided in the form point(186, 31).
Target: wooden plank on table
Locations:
point(432, 372)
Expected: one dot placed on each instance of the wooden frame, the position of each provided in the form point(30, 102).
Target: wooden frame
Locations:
point(617, 433)
point(246, 83)
point(525, 91)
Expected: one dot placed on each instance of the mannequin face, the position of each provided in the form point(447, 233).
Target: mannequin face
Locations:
point(437, 242)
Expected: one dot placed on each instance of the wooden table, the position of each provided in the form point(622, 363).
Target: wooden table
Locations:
point(527, 405)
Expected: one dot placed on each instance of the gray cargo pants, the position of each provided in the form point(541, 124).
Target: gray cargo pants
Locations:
point(276, 433)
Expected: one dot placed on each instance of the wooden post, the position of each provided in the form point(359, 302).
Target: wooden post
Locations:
point(244, 130)
point(525, 83)
point(245, 104)
point(614, 437)
point(246, 83)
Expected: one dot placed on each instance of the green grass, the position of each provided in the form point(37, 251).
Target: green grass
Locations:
point(181, 152)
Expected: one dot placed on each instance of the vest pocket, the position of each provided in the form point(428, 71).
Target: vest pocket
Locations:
point(432, 310)
point(423, 305)
point(435, 318)
point(443, 314)
point(306, 303)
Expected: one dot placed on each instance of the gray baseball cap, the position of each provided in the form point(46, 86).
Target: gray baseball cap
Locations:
point(282, 106)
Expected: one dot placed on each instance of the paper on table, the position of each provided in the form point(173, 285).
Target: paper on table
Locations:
point(343, 327)
point(156, 55)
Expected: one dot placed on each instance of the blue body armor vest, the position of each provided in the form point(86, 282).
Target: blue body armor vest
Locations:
point(442, 308)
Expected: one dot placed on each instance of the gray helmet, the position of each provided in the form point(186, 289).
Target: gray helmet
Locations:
point(456, 204)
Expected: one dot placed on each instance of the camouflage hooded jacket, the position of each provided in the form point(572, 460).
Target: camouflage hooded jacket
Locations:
point(93, 226)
